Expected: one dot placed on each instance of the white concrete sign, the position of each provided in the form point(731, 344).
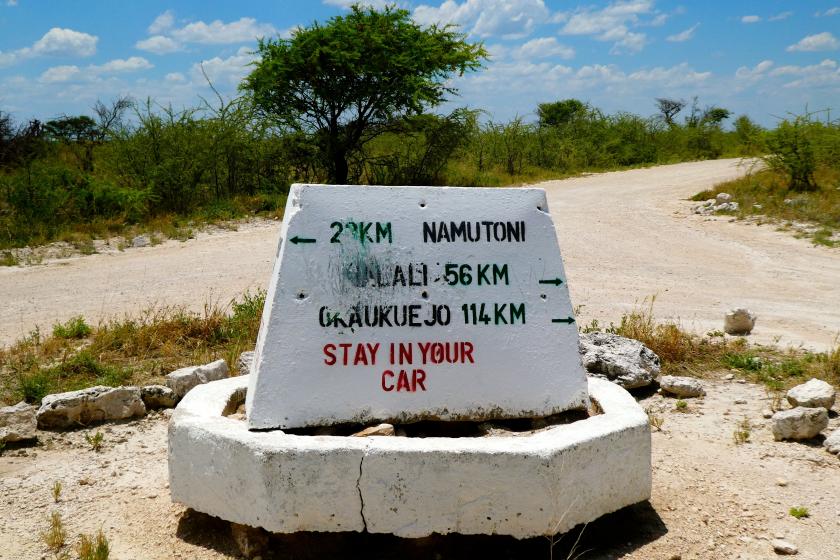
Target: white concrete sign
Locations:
point(413, 303)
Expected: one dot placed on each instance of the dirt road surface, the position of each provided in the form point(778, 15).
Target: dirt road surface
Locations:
point(711, 497)
point(625, 236)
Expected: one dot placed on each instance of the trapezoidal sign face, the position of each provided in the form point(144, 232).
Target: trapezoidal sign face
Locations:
point(410, 303)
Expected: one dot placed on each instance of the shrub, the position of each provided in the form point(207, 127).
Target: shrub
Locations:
point(73, 328)
point(799, 512)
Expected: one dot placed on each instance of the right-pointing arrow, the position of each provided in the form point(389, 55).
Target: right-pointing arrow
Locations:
point(555, 281)
point(567, 320)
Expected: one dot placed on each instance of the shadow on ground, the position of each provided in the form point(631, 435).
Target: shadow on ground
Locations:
point(611, 536)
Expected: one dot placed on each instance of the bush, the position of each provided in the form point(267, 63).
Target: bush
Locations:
point(73, 328)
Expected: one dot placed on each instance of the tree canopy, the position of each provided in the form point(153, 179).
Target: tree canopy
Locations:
point(346, 80)
point(559, 113)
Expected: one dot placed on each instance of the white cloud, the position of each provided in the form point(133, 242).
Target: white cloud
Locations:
point(59, 74)
point(826, 73)
point(750, 19)
point(11, 3)
point(829, 12)
point(65, 42)
point(612, 24)
point(780, 16)
point(544, 47)
point(158, 44)
point(509, 19)
point(378, 4)
point(55, 42)
point(226, 71)
point(683, 36)
point(242, 30)
point(131, 64)
point(93, 71)
point(760, 69)
point(659, 20)
point(162, 23)
point(824, 41)
point(175, 77)
point(519, 79)
point(168, 39)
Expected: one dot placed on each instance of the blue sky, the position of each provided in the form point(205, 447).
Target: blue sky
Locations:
point(764, 58)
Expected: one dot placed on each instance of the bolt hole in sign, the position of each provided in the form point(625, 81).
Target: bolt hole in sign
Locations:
point(420, 303)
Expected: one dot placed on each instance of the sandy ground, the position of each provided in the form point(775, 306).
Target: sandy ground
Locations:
point(711, 497)
point(625, 236)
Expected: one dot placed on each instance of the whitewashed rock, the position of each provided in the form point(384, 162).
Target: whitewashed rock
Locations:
point(723, 198)
point(184, 379)
point(86, 406)
point(682, 387)
point(141, 241)
point(380, 430)
point(832, 442)
point(243, 364)
point(812, 394)
point(499, 343)
point(17, 423)
point(740, 321)
point(623, 361)
point(783, 547)
point(158, 396)
point(799, 423)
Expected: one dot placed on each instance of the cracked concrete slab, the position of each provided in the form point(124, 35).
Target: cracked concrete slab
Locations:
point(541, 484)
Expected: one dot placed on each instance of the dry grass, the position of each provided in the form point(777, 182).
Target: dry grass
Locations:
point(684, 353)
point(130, 350)
point(94, 547)
point(765, 196)
point(55, 535)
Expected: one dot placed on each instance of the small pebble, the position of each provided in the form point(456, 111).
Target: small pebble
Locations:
point(781, 482)
point(740, 401)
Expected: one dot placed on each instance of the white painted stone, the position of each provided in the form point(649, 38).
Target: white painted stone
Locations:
point(539, 484)
point(86, 406)
point(184, 379)
point(812, 394)
point(530, 369)
point(17, 422)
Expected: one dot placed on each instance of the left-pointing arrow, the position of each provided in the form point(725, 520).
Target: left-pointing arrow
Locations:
point(567, 320)
point(297, 240)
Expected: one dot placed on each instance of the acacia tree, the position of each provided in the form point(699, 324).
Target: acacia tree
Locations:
point(669, 108)
point(345, 81)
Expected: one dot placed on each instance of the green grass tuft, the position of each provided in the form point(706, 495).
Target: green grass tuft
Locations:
point(75, 327)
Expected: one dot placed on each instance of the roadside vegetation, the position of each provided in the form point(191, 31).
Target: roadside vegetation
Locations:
point(130, 350)
point(684, 353)
point(143, 349)
point(797, 185)
point(135, 166)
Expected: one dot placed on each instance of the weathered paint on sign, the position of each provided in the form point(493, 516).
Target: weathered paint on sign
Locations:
point(411, 303)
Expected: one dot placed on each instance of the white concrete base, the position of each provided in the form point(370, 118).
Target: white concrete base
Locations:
point(524, 486)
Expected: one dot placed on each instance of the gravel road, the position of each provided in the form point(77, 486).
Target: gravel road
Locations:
point(625, 236)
